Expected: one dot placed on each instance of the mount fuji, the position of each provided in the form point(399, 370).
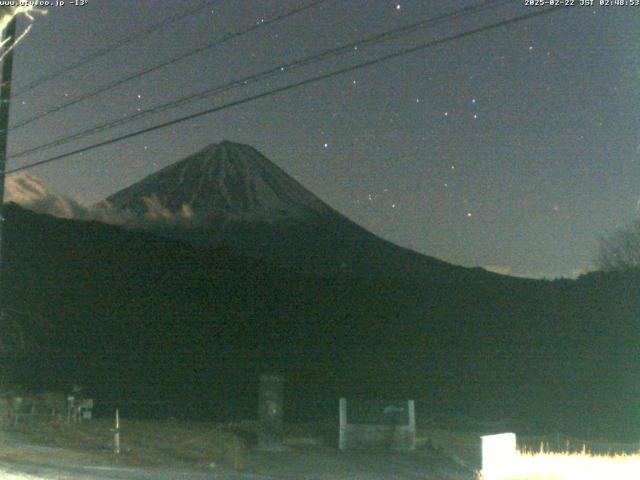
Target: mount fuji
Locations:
point(239, 270)
point(230, 195)
point(228, 181)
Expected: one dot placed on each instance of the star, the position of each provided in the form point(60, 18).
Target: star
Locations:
point(398, 7)
point(326, 145)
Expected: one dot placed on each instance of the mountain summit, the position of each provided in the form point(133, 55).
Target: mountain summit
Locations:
point(230, 195)
point(228, 180)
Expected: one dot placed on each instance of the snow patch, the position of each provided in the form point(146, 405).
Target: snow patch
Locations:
point(222, 181)
point(31, 193)
point(226, 181)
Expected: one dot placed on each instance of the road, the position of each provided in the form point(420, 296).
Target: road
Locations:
point(309, 463)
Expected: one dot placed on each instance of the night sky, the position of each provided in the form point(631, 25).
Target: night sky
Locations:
point(513, 149)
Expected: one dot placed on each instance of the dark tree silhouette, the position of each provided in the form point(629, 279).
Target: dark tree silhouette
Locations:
point(620, 250)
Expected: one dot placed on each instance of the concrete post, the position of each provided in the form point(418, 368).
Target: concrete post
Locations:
point(342, 439)
point(412, 414)
point(411, 405)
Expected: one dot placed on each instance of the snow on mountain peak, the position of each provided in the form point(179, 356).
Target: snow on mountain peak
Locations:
point(227, 180)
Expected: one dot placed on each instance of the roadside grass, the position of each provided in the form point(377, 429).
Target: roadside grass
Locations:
point(566, 461)
point(154, 443)
point(569, 466)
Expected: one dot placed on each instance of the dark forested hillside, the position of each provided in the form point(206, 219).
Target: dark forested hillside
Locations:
point(137, 318)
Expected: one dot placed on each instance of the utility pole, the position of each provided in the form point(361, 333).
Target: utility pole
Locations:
point(6, 52)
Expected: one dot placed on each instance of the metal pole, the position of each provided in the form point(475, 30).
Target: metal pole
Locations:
point(5, 97)
point(116, 434)
point(342, 439)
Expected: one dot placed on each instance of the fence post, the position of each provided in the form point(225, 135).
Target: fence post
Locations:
point(342, 439)
point(411, 405)
point(116, 434)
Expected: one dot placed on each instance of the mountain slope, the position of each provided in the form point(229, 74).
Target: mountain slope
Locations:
point(226, 180)
point(229, 194)
point(273, 280)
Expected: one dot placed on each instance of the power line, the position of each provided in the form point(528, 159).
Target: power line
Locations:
point(159, 66)
point(288, 67)
point(285, 88)
point(121, 43)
